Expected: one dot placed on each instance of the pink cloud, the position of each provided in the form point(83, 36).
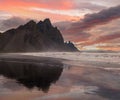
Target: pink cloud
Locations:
point(102, 39)
point(79, 28)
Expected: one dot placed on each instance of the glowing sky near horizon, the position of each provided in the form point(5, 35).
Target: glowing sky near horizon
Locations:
point(71, 17)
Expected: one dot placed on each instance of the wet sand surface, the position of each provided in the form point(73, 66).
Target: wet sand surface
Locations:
point(27, 77)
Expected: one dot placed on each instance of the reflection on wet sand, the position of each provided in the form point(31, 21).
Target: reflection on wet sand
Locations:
point(31, 75)
point(86, 81)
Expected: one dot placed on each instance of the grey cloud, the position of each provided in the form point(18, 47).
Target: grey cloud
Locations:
point(11, 23)
point(102, 17)
point(90, 21)
point(4, 15)
point(89, 6)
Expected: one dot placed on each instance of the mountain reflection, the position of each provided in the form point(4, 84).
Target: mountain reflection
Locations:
point(32, 75)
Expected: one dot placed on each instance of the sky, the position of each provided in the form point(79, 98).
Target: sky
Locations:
point(90, 24)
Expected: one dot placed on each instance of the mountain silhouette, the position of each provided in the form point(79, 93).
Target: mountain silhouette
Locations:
point(33, 37)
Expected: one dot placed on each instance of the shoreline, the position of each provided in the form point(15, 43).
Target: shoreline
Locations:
point(96, 60)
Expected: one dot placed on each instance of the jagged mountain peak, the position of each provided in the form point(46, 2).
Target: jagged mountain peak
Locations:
point(34, 36)
point(47, 20)
point(30, 23)
point(46, 24)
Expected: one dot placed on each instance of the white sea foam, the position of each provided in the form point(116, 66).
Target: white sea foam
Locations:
point(78, 56)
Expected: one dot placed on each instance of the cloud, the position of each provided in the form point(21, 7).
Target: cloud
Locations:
point(102, 39)
point(89, 22)
point(48, 4)
point(59, 12)
point(4, 15)
point(110, 46)
point(12, 22)
point(67, 4)
point(38, 9)
point(89, 6)
point(82, 36)
point(100, 18)
point(67, 7)
point(108, 37)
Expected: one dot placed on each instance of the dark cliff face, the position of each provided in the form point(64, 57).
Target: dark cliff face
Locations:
point(70, 46)
point(33, 37)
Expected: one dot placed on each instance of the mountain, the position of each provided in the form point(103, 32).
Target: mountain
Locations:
point(34, 37)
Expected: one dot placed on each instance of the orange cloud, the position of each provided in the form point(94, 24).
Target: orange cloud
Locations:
point(21, 8)
point(113, 48)
point(10, 4)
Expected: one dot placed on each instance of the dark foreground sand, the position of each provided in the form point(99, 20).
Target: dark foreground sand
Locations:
point(28, 59)
point(25, 77)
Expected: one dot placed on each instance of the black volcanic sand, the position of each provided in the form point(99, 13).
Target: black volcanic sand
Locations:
point(31, 71)
point(28, 59)
point(44, 78)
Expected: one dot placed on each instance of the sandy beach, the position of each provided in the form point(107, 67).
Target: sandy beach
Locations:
point(84, 76)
